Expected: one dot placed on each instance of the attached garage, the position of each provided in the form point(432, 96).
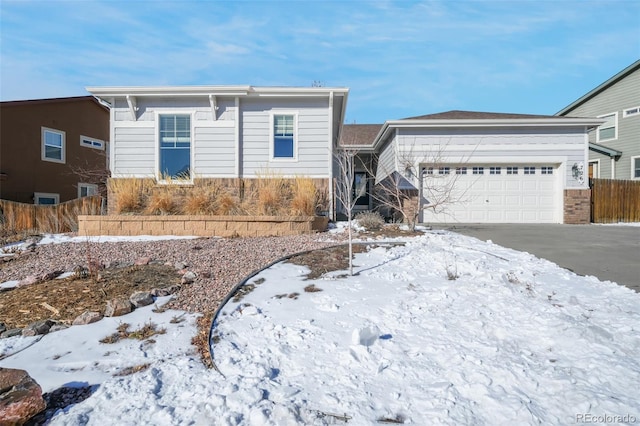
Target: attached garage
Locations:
point(477, 167)
point(494, 193)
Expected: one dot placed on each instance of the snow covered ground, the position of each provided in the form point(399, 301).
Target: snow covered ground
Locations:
point(446, 329)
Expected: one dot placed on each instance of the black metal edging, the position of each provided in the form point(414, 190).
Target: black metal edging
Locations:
point(242, 282)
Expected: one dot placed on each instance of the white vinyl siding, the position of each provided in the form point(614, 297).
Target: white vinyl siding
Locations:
point(214, 152)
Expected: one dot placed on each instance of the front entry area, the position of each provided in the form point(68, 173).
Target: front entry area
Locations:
point(492, 193)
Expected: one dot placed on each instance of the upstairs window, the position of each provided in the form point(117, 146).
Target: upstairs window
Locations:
point(284, 136)
point(609, 129)
point(88, 142)
point(629, 112)
point(53, 145)
point(175, 146)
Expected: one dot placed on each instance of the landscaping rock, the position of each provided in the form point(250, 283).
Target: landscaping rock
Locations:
point(118, 307)
point(142, 261)
point(87, 317)
point(20, 397)
point(188, 277)
point(11, 333)
point(165, 291)
point(180, 265)
point(31, 279)
point(57, 327)
point(3, 328)
point(37, 328)
point(141, 298)
point(50, 275)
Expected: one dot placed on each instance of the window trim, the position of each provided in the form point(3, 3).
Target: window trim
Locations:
point(86, 185)
point(626, 113)
point(159, 178)
point(37, 195)
point(296, 135)
point(633, 159)
point(63, 156)
point(93, 141)
point(615, 127)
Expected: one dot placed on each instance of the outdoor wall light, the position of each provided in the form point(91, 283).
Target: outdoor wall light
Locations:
point(577, 170)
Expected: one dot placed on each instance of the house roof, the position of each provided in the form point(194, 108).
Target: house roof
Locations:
point(359, 134)
point(25, 102)
point(240, 90)
point(601, 88)
point(613, 153)
point(473, 115)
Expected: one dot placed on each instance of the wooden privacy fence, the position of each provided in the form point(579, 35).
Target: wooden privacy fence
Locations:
point(58, 218)
point(615, 201)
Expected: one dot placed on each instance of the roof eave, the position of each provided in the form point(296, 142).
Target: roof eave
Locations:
point(188, 91)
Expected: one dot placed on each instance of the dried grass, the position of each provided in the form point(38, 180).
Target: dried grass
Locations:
point(162, 201)
point(203, 197)
point(273, 192)
point(305, 197)
point(129, 193)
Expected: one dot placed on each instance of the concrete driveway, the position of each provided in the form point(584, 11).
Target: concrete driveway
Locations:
point(606, 252)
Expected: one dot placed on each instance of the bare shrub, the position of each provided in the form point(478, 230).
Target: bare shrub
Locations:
point(371, 221)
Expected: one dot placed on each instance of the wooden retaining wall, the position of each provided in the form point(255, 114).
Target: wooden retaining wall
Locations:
point(201, 226)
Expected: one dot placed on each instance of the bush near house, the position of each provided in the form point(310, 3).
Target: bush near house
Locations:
point(266, 195)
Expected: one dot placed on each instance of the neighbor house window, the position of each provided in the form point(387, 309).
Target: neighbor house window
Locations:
point(284, 135)
point(629, 112)
point(87, 189)
point(53, 145)
point(91, 143)
point(512, 170)
point(175, 146)
point(609, 129)
point(360, 193)
point(494, 170)
point(635, 167)
point(529, 170)
point(478, 170)
point(546, 170)
point(46, 198)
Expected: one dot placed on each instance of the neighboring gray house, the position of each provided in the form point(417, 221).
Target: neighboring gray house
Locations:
point(505, 168)
point(614, 148)
point(224, 132)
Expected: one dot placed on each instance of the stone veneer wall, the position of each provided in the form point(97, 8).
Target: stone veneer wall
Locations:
point(577, 206)
point(201, 226)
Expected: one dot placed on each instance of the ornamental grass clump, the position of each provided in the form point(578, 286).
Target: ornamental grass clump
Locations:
point(203, 198)
point(305, 197)
point(274, 191)
point(129, 193)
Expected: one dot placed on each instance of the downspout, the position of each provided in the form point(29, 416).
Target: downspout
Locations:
point(331, 212)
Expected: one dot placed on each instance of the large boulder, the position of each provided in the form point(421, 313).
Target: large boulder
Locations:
point(118, 307)
point(20, 397)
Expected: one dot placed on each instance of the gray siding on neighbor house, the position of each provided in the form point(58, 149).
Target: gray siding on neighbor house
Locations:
point(386, 160)
point(312, 137)
point(622, 95)
point(538, 145)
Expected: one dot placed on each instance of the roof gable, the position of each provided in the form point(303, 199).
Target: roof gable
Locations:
point(359, 134)
point(473, 115)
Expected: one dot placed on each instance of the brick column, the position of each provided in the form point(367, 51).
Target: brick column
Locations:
point(577, 206)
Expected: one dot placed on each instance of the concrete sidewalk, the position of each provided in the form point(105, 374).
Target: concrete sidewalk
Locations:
point(607, 252)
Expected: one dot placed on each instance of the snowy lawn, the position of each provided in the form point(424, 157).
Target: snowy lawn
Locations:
point(444, 330)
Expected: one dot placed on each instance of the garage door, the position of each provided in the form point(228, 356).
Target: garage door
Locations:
point(486, 193)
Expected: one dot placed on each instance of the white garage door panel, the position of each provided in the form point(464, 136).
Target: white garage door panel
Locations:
point(504, 198)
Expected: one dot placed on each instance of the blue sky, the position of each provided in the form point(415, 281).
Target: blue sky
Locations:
point(399, 58)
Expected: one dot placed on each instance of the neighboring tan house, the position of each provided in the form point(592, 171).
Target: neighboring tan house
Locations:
point(224, 132)
point(614, 147)
point(43, 143)
point(505, 168)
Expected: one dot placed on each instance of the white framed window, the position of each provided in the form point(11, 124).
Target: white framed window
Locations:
point(630, 112)
point(512, 170)
point(461, 170)
point(46, 198)
point(284, 136)
point(444, 171)
point(175, 146)
point(87, 189)
point(608, 130)
point(546, 170)
point(427, 171)
point(53, 145)
point(635, 167)
point(496, 170)
point(478, 170)
point(88, 142)
point(529, 170)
